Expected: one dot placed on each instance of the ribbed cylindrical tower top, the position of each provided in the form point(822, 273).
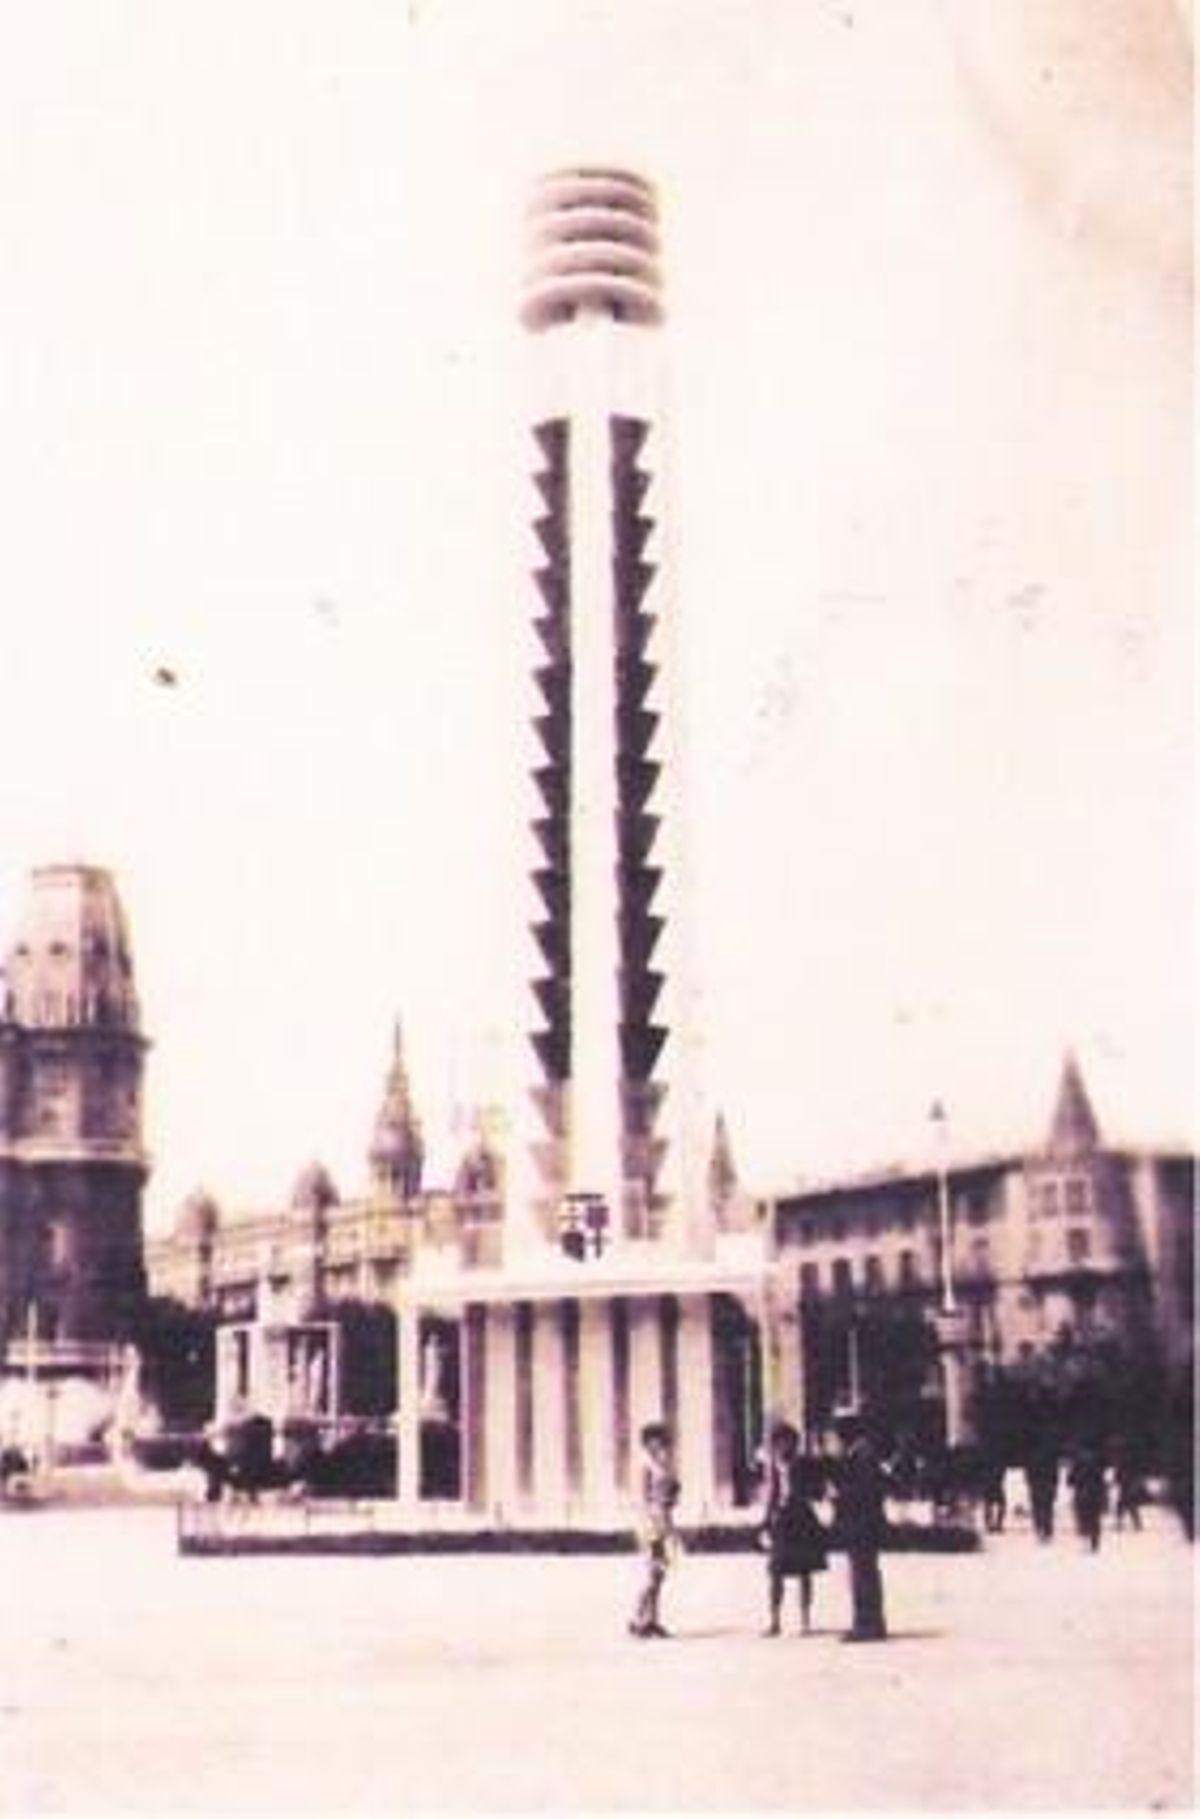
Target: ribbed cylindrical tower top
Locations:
point(72, 961)
point(593, 249)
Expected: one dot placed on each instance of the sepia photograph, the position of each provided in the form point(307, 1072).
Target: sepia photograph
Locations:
point(598, 902)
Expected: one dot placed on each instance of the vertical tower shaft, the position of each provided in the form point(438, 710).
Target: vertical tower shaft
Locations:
point(593, 301)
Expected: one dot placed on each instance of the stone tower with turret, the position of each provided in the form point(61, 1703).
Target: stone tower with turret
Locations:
point(72, 1162)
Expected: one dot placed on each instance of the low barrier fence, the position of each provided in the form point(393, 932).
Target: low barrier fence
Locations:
point(290, 1524)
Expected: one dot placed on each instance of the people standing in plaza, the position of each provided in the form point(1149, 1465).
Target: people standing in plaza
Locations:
point(792, 1530)
point(657, 1535)
point(860, 1489)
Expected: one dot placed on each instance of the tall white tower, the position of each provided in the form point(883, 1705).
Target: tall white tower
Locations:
point(611, 1103)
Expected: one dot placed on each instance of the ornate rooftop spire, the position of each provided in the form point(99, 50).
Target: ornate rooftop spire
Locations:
point(722, 1170)
point(397, 1153)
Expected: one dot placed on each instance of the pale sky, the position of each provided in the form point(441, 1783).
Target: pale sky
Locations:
point(261, 419)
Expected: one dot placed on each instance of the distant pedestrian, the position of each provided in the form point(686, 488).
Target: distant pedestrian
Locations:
point(1041, 1475)
point(211, 1457)
point(657, 1535)
point(995, 1500)
point(992, 1469)
point(1130, 1487)
point(1088, 1488)
point(14, 1468)
point(861, 1525)
point(792, 1531)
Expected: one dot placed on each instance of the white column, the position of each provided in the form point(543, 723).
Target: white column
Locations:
point(502, 1410)
point(1147, 1213)
point(777, 1314)
point(597, 1408)
point(645, 1366)
point(475, 1396)
point(697, 1473)
point(408, 1396)
point(549, 1426)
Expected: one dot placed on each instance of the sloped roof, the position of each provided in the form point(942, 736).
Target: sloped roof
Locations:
point(1074, 1130)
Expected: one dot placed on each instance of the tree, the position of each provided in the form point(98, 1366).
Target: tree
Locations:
point(178, 1350)
point(368, 1362)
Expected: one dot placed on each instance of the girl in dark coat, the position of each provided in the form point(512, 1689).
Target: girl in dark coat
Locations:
point(792, 1531)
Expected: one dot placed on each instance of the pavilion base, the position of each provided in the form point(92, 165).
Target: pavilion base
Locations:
point(319, 1528)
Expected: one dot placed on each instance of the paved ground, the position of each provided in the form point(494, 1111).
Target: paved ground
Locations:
point(135, 1681)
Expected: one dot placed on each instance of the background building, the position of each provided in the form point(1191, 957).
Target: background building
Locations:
point(72, 1163)
point(319, 1250)
point(1071, 1246)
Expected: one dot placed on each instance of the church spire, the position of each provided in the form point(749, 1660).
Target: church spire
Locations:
point(397, 1153)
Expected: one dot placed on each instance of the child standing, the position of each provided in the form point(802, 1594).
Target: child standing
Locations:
point(657, 1536)
point(792, 1531)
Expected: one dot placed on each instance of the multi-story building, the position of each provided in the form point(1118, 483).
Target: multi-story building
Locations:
point(320, 1248)
point(72, 1163)
point(1072, 1241)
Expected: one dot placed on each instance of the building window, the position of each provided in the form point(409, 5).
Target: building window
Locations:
point(50, 1106)
point(981, 1257)
point(808, 1231)
point(1078, 1199)
point(1047, 1200)
point(907, 1218)
point(837, 1227)
point(843, 1284)
point(874, 1276)
point(910, 1275)
point(1079, 1244)
point(975, 1206)
point(810, 1282)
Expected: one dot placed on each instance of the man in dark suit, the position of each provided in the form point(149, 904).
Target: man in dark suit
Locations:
point(861, 1526)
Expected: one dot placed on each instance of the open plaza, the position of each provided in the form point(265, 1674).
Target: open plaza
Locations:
point(1022, 1676)
point(791, 770)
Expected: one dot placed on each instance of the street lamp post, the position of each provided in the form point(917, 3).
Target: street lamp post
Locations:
point(950, 1322)
point(937, 1117)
